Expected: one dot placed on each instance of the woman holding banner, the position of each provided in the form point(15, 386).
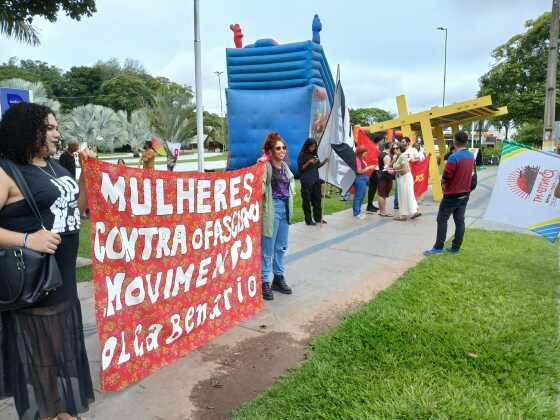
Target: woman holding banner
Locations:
point(43, 361)
point(278, 190)
point(408, 207)
point(361, 182)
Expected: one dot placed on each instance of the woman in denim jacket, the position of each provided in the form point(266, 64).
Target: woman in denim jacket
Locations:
point(278, 190)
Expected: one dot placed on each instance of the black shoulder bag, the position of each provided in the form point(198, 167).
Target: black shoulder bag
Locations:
point(27, 276)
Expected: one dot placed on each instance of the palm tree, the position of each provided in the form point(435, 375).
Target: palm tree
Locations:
point(172, 115)
point(38, 89)
point(20, 30)
point(138, 130)
point(95, 124)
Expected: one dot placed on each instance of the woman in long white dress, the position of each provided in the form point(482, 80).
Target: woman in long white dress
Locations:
point(408, 207)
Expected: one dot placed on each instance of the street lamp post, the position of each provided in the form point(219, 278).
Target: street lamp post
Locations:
point(219, 73)
point(198, 84)
point(441, 28)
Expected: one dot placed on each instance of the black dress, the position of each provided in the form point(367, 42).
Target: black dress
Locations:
point(43, 363)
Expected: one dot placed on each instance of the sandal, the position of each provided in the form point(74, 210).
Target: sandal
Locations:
point(385, 214)
point(415, 215)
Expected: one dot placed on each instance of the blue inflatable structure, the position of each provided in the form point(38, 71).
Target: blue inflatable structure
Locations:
point(286, 88)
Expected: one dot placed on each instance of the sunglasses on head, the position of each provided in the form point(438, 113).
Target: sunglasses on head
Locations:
point(280, 148)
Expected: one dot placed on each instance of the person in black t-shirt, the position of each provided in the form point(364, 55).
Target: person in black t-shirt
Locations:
point(67, 159)
point(44, 365)
point(308, 167)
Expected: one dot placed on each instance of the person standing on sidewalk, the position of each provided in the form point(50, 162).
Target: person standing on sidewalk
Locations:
point(148, 158)
point(456, 180)
point(67, 159)
point(360, 184)
point(43, 360)
point(278, 191)
point(308, 166)
point(408, 207)
point(385, 183)
point(374, 176)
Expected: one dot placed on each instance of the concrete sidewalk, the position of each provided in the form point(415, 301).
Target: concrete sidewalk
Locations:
point(331, 268)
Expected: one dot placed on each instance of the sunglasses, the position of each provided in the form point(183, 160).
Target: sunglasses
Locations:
point(280, 148)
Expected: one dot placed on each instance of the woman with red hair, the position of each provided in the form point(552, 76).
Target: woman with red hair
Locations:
point(360, 184)
point(278, 190)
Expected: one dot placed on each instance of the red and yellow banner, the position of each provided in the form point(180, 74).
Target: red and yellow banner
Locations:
point(176, 262)
point(421, 174)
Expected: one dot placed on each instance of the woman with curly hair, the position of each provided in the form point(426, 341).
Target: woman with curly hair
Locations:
point(43, 361)
point(278, 205)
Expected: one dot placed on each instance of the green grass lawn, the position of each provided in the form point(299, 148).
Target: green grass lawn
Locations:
point(470, 336)
point(330, 205)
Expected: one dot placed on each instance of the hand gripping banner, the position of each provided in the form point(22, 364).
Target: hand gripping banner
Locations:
point(176, 262)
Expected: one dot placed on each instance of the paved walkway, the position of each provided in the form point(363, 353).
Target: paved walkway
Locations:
point(331, 268)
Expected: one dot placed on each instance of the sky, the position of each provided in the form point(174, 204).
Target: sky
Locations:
point(384, 48)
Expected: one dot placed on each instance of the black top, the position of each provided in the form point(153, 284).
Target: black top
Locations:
point(56, 196)
point(383, 174)
point(309, 175)
point(67, 161)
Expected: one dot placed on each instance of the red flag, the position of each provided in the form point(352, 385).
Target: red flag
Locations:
point(372, 155)
point(421, 174)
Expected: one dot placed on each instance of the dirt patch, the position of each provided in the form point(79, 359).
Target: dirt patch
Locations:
point(248, 369)
point(254, 365)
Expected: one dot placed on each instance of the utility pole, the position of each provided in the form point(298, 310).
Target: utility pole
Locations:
point(198, 87)
point(550, 143)
point(441, 28)
point(219, 73)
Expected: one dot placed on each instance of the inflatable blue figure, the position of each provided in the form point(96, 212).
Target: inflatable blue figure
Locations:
point(316, 27)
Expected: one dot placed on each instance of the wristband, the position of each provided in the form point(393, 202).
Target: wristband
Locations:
point(25, 237)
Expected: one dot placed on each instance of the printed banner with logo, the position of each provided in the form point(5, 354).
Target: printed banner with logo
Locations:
point(421, 175)
point(527, 190)
point(176, 262)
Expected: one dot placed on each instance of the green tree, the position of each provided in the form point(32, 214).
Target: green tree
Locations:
point(126, 92)
point(81, 86)
point(530, 132)
point(517, 78)
point(16, 16)
point(368, 116)
point(20, 30)
point(215, 127)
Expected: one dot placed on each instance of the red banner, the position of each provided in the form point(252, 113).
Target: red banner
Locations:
point(421, 174)
point(176, 262)
point(372, 155)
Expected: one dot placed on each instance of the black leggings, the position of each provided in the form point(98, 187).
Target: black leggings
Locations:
point(372, 189)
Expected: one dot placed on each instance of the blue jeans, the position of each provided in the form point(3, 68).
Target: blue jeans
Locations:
point(273, 249)
point(360, 184)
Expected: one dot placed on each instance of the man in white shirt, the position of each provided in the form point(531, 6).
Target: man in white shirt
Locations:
point(411, 153)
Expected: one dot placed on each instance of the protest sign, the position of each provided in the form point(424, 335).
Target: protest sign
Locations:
point(527, 190)
point(176, 262)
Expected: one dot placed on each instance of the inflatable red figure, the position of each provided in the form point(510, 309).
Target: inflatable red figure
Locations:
point(237, 35)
